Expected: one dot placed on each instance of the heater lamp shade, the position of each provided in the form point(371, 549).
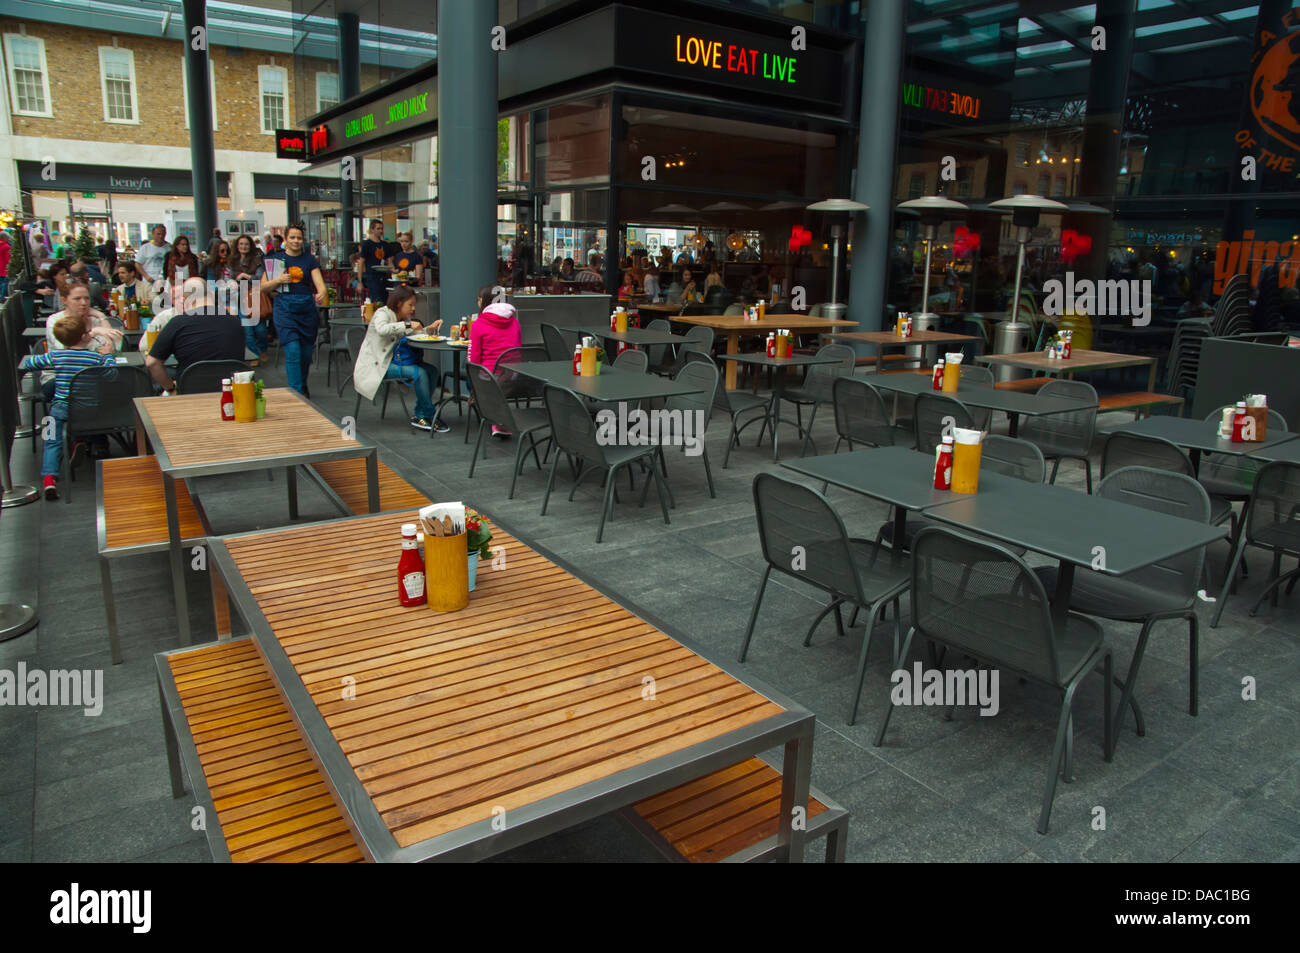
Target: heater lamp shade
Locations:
point(838, 205)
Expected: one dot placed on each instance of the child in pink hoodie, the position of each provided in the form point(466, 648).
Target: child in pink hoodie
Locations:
point(495, 331)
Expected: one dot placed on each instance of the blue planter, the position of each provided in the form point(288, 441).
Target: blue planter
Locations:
point(473, 569)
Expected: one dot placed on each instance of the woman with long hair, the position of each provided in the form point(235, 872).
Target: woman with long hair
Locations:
point(246, 268)
point(298, 289)
point(385, 356)
point(180, 257)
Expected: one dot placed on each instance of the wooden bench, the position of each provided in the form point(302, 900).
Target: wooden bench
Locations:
point(262, 796)
point(344, 482)
point(132, 520)
point(1138, 401)
point(1027, 384)
point(732, 815)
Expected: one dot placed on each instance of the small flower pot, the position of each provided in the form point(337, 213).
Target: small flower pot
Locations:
point(261, 407)
point(473, 569)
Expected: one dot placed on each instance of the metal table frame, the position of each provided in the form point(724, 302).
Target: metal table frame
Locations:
point(793, 728)
point(456, 351)
point(172, 474)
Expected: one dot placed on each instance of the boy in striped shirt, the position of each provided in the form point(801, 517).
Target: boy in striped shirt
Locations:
point(74, 333)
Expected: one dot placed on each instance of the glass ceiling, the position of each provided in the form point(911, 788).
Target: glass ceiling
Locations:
point(268, 25)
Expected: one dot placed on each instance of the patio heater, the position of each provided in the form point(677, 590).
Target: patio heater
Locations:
point(1012, 335)
point(835, 309)
point(934, 211)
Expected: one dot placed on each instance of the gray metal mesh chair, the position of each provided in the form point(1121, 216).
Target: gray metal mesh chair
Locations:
point(818, 387)
point(1065, 436)
point(1271, 521)
point(802, 536)
point(101, 403)
point(515, 386)
point(978, 375)
point(495, 408)
point(656, 352)
point(1013, 457)
point(861, 416)
point(1161, 591)
point(575, 434)
point(931, 416)
point(205, 377)
point(699, 339)
point(634, 362)
point(980, 600)
point(737, 404)
point(1137, 450)
point(559, 344)
point(1230, 476)
point(704, 375)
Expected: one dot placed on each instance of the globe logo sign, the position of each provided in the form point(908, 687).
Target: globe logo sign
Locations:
point(1275, 90)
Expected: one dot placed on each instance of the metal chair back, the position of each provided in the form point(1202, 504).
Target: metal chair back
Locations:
point(1274, 512)
point(205, 377)
point(1136, 450)
point(572, 426)
point(1176, 494)
point(1013, 457)
point(821, 378)
point(516, 385)
point(703, 374)
point(489, 399)
point(982, 600)
point(100, 399)
point(1067, 434)
point(559, 346)
point(635, 362)
point(931, 416)
point(796, 521)
point(860, 413)
point(656, 352)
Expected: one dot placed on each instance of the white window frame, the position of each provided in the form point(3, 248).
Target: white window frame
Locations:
point(261, 94)
point(320, 108)
point(212, 87)
point(103, 86)
point(45, 77)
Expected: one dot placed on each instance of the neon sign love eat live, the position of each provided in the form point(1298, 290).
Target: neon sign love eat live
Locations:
point(714, 54)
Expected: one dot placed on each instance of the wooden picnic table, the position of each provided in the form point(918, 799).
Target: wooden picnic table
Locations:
point(1080, 360)
point(461, 735)
point(190, 439)
point(884, 340)
point(732, 326)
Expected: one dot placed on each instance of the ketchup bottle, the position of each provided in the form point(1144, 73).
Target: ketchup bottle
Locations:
point(410, 570)
point(227, 400)
point(1238, 422)
point(771, 345)
point(936, 382)
point(577, 359)
point(943, 465)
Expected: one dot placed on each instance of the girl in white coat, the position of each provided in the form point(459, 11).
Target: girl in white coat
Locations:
point(385, 355)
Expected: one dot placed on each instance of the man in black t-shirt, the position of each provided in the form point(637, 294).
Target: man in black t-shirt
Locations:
point(200, 334)
point(374, 252)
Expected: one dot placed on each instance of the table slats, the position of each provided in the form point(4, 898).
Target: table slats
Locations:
point(135, 510)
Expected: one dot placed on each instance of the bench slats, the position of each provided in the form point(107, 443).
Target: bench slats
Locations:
point(135, 511)
point(711, 818)
point(347, 478)
point(269, 797)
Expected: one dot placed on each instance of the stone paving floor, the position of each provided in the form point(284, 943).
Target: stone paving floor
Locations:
point(1224, 786)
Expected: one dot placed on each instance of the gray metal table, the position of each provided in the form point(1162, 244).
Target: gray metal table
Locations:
point(1074, 528)
point(1010, 402)
point(778, 364)
point(191, 440)
point(456, 351)
point(610, 385)
point(895, 475)
point(1197, 436)
point(1288, 451)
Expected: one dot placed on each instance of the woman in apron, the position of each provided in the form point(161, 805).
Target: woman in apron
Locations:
point(298, 288)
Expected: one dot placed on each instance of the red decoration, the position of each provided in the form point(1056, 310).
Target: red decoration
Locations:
point(1074, 245)
point(800, 237)
point(965, 241)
